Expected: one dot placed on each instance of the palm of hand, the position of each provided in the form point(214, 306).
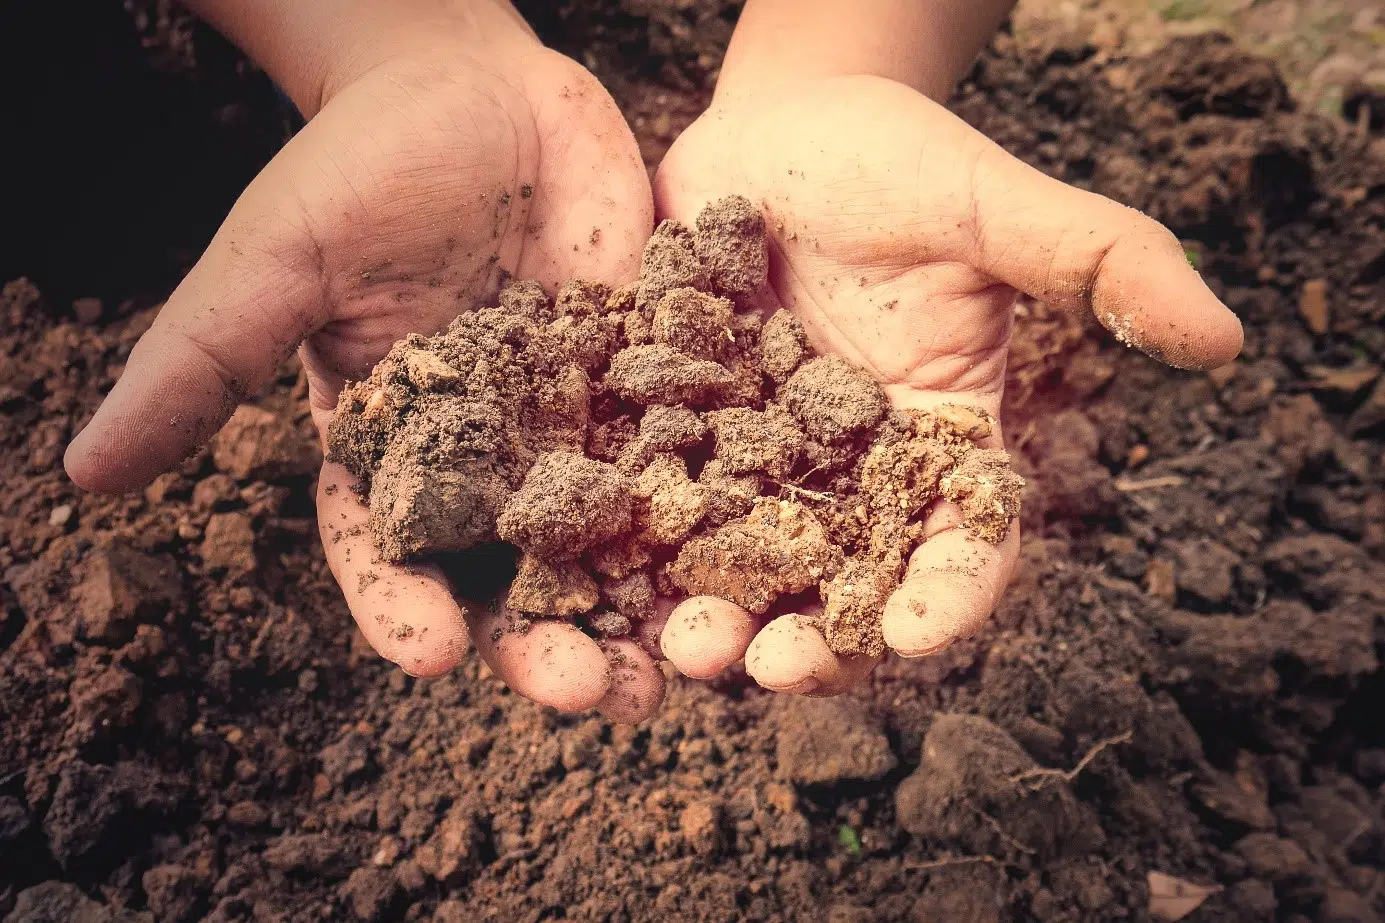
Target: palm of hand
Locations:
point(402, 203)
point(417, 190)
point(900, 237)
point(861, 216)
point(471, 180)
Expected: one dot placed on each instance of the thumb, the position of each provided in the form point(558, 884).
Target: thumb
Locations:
point(1082, 252)
point(242, 310)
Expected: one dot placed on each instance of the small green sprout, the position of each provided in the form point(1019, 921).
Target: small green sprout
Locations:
point(849, 839)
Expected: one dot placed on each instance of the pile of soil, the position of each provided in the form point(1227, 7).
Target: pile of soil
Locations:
point(662, 438)
point(1183, 681)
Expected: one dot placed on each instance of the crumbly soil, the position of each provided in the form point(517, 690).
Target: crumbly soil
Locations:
point(578, 431)
point(1184, 678)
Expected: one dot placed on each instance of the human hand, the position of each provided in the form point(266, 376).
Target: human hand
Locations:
point(900, 236)
point(443, 157)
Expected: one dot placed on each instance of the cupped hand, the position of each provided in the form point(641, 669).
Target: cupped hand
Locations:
point(900, 236)
point(418, 186)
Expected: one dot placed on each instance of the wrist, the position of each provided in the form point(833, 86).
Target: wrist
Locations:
point(924, 44)
point(314, 50)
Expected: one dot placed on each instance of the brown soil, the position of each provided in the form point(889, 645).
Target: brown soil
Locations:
point(503, 427)
point(1183, 680)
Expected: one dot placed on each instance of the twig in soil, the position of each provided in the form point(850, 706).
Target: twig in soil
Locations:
point(1035, 779)
point(947, 861)
point(1125, 485)
point(803, 491)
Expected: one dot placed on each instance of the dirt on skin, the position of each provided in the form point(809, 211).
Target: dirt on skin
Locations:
point(580, 425)
point(1183, 680)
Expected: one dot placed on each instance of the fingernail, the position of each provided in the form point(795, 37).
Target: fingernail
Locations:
point(803, 687)
point(927, 651)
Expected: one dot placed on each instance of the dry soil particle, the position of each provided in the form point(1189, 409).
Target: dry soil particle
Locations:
point(833, 399)
point(779, 548)
point(567, 504)
point(576, 429)
point(729, 239)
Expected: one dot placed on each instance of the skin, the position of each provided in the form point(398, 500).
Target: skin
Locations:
point(390, 212)
point(900, 237)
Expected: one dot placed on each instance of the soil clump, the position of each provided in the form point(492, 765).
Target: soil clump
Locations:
point(572, 428)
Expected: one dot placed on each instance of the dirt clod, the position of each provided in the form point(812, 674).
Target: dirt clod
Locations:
point(577, 428)
point(730, 241)
point(833, 399)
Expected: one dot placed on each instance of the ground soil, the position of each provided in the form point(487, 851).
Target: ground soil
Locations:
point(1184, 679)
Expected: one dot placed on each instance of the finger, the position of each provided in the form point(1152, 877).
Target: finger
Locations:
point(222, 333)
point(637, 683)
point(408, 614)
point(1083, 252)
point(951, 587)
point(550, 662)
point(648, 633)
point(592, 198)
point(705, 635)
point(791, 655)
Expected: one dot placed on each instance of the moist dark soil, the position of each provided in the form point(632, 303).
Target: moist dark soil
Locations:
point(664, 436)
point(1184, 679)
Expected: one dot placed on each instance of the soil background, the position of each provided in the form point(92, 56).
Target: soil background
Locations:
point(1184, 679)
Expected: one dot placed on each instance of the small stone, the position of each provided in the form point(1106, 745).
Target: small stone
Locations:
point(60, 515)
point(428, 372)
point(700, 824)
point(1313, 307)
point(228, 544)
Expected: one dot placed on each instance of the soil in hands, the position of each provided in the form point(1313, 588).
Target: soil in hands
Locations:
point(662, 438)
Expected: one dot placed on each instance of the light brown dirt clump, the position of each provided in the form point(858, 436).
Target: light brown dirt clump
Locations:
point(662, 438)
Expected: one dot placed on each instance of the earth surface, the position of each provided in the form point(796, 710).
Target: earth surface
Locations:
point(1177, 703)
